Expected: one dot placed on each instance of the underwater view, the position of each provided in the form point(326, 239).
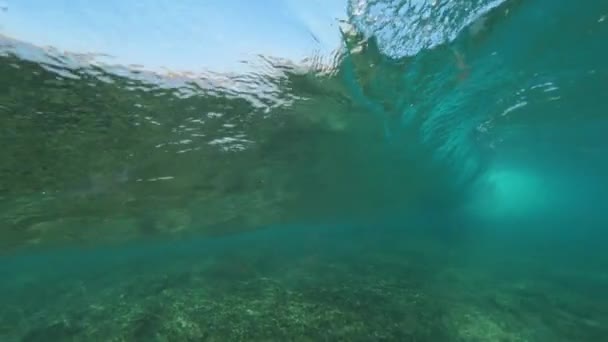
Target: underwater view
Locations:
point(304, 170)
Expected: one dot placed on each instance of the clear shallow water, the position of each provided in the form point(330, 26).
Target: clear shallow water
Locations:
point(438, 175)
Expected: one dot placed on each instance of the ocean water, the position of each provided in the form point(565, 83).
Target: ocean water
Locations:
point(398, 170)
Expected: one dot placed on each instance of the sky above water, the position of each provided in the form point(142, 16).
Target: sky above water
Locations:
point(186, 35)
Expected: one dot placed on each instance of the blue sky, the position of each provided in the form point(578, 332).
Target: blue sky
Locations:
point(184, 35)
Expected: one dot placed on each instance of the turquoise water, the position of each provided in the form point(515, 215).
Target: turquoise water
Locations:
point(437, 175)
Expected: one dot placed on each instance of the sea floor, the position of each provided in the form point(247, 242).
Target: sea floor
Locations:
point(301, 285)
